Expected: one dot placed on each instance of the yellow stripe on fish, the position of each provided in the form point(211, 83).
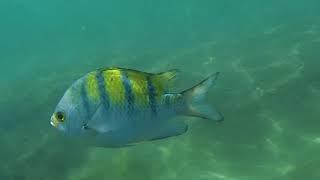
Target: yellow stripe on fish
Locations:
point(92, 86)
point(114, 86)
point(122, 86)
point(139, 86)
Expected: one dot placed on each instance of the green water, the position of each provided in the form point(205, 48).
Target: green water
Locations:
point(269, 90)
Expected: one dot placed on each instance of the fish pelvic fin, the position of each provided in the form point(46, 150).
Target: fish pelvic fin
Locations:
point(195, 100)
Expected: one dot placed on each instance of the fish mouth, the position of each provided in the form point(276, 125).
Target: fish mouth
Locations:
point(54, 122)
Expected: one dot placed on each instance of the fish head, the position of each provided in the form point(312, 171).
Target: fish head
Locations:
point(67, 116)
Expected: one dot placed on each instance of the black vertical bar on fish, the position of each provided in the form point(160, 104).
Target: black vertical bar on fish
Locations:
point(85, 101)
point(128, 92)
point(152, 96)
point(102, 90)
point(167, 99)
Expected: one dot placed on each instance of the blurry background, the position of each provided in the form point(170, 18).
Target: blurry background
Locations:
point(269, 88)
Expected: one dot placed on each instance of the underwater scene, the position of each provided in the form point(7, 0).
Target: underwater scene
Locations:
point(268, 90)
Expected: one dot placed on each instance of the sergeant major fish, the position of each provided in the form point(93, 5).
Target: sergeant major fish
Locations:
point(117, 107)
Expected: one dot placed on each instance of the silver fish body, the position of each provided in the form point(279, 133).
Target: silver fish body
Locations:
point(116, 107)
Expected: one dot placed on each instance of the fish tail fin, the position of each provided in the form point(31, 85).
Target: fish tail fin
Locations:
point(195, 100)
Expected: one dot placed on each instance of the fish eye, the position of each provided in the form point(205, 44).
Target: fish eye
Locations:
point(60, 116)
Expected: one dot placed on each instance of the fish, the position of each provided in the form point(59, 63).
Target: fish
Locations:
point(119, 107)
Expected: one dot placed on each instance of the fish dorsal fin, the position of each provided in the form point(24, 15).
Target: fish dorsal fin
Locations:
point(164, 80)
point(161, 77)
point(166, 76)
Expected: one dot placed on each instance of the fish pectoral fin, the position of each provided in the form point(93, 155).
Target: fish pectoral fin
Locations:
point(173, 129)
point(99, 122)
point(114, 138)
point(89, 131)
point(97, 119)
